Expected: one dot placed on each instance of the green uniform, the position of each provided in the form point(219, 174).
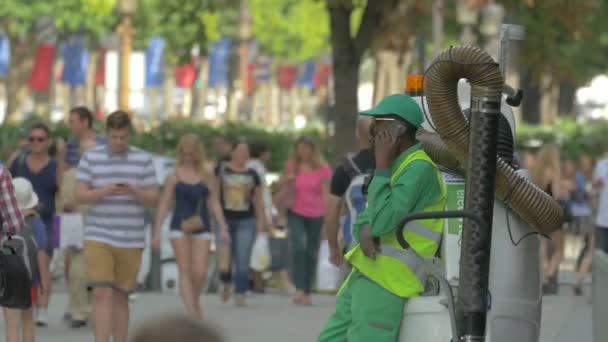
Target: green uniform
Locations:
point(370, 304)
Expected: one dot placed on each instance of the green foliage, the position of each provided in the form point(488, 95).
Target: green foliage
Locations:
point(562, 37)
point(292, 30)
point(573, 138)
point(91, 16)
point(184, 24)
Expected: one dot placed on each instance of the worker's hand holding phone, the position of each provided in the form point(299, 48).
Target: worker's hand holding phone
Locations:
point(386, 145)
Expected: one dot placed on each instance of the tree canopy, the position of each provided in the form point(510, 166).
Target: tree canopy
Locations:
point(293, 30)
point(18, 17)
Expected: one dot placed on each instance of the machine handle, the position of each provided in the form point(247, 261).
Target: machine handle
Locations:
point(432, 215)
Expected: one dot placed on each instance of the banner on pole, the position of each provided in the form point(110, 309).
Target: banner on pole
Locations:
point(41, 72)
point(154, 62)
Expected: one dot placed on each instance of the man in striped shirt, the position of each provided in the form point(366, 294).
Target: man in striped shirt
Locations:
point(117, 181)
point(11, 219)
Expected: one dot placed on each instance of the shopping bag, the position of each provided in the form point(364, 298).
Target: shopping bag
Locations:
point(260, 254)
point(328, 274)
point(71, 230)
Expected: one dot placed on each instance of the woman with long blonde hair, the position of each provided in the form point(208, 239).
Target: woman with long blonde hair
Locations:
point(546, 174)
point(192, 192)
point(309, 176)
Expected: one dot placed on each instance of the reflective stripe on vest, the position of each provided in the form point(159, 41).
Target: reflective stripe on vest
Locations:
point(423, 231)
point(407, 257)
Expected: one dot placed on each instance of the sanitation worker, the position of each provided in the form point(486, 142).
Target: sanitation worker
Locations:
point(370, 304)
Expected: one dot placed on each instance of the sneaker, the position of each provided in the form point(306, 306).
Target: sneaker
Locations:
point(77, 324)
point(41, 317)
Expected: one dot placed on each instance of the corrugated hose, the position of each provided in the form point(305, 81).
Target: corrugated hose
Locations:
point(449, 147)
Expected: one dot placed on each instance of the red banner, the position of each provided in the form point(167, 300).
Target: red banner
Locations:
point(322, 75)
point(42, 70)
point(100, 72)
point(185, 75)
point(287, 76)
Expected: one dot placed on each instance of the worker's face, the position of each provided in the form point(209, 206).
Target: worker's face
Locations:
point(118, 139)
point(380, 124)
point(39, 141)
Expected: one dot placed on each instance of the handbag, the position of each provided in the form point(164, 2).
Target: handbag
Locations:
point(194, 223)
point(15, 280)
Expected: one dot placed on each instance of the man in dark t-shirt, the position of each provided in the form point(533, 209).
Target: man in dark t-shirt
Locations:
point(362, 162)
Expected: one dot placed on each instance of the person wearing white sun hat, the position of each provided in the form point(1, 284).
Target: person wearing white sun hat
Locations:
point(34, 236)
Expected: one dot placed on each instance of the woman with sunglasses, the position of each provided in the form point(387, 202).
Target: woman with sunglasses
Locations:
point(41, 170)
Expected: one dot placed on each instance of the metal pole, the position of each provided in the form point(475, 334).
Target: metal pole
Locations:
point(479, 200)
point(437, 26)
point(509, 32)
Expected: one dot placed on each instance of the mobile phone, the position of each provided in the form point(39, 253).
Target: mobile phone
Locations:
point(397, 130)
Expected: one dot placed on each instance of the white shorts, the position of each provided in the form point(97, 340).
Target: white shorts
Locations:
point(178, 234)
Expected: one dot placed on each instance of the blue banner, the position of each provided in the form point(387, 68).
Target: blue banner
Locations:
point(75, 62)
point(154, 62)
point(5, 55)
point(306, 75)
point(218, 63)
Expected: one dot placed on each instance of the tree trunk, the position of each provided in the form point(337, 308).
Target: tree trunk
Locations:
point(347, 53)
point(567, 96)
point(345, 109)
point(22, 59)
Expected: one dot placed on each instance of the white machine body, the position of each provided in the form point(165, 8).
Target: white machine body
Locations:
point(515, 280)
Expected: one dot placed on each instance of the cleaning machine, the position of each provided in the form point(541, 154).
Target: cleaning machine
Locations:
point(485, 282)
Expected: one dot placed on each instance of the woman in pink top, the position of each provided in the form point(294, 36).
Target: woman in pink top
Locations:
point(310, 175)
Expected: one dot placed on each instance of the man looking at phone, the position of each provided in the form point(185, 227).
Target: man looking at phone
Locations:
point(371, 301)
point(117, 181)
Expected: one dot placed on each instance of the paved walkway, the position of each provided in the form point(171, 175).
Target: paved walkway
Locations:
point(272, 318)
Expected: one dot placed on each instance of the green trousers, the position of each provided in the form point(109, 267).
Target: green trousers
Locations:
point(364, 312)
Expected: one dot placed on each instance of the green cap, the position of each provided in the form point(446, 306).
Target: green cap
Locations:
point(400, 105)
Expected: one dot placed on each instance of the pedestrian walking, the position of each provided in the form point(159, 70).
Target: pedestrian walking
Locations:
point(547, 175)
point(308, 175)
point(12, 222)
point(42, 171)
point(243, 204)
point(84, 138)
point(118, 181)
point(191, 192)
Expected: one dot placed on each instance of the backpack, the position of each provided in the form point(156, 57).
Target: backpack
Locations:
point(355, 199)
point(24, 244)
point(15, 282)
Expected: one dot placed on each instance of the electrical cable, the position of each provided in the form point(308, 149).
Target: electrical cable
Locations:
point(507, 210)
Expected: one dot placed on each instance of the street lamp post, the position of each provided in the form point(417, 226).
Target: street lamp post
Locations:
point(125, 31)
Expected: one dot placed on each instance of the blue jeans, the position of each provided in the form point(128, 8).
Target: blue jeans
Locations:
point(242, 235)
